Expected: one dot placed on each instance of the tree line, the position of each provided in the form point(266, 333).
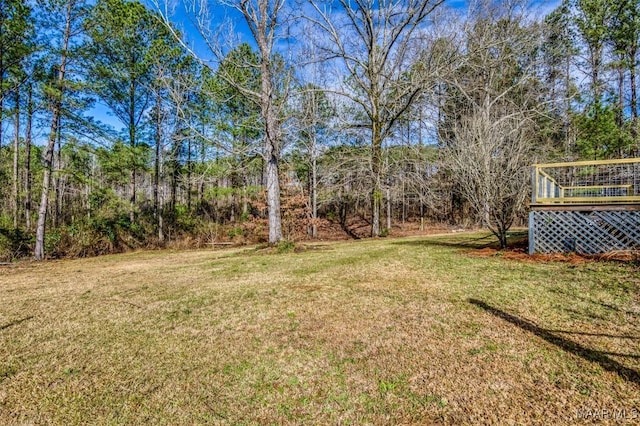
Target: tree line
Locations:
point(277, 117)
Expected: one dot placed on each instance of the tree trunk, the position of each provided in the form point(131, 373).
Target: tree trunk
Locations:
point(567, 114)
point(175, 152)
point(262, 18)
point(245, 180)
point(57, 156)
point(46, 181)
point(27, 160)
point(132, 144)
point(376, 169)
point(189, 171)
point(1, 100)
point(202, 161)
point(273, 197)
point(619, 113)
point(157, 215)
point(502, 238)
point(388, 210)
point(404, 203)
point(16, 162)
point(314, 195)
point(271, 149)
point(634, 100)
point(595, 76)
point(48, 158)
point(132, 200)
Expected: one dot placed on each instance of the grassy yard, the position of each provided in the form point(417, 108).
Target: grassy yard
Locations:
point(404, 331)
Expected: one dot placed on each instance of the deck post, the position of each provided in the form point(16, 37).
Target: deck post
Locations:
point(534, 184)
point(532, 233)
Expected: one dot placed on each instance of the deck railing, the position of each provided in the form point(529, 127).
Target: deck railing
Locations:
point(587, 182)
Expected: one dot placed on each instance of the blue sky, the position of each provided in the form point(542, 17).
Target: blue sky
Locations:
point(183, 22)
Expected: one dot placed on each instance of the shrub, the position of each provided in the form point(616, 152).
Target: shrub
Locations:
point(14, 244)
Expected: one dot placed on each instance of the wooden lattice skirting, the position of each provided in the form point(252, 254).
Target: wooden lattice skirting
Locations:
point(583, 232)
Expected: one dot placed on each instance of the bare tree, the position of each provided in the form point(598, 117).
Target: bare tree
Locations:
point(264, 19)
point(313, 119)
point(493, 101)
point(315, 114)
point(490, 160)
point(378, 43)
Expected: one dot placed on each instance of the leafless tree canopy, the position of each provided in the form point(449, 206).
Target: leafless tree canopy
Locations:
point(489, 132)
point(377, 43)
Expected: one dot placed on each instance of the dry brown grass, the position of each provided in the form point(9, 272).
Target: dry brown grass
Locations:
point(410, 331)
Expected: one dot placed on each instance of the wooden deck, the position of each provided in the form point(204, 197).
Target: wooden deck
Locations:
point(587, 207)
point(584, 183)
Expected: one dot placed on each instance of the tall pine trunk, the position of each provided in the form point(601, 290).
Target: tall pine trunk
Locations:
point(634, 99)
point(132, 177)
point(16, 161)
point(27, 159)
point(595, 52)
point(202, 180)
point(620, 112)
point(1, 100)
point(57, 157)
point(132, 144)
point(175, 152)
point(157, 213)
point(567, 113)
point(189, 172)
point(56, 107)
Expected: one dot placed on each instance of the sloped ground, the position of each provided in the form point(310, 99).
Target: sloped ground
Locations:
point(386, 331)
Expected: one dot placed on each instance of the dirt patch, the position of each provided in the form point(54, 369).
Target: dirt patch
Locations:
point(358, 227)
point(484, 252)
point(621, 256)
point(520, 254)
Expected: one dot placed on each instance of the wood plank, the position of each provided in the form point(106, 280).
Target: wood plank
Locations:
point(589, 200)
point(585, 207)
point(628, 186)
point(590, 163)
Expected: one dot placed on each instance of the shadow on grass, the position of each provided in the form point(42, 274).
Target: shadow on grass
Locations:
point(16, 322)
point(515, 239)
point(582, 333)
point(454, 241)
point(566, 344)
